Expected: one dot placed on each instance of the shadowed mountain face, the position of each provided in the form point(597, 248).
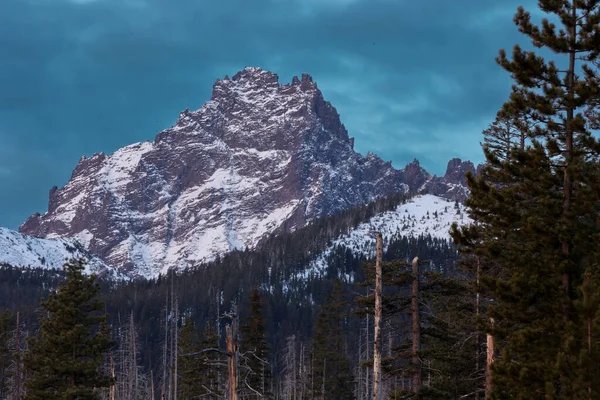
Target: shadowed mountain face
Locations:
point(258, 157)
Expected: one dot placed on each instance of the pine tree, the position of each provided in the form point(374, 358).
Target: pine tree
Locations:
point(65, 359)
point(289, 384)
point(190, 361)
point(506, 133)
point(255, 370)
point(588, 307)
point(453, 364)
point(6, 327)
point(445, 363)
point(536, 211)
point(211, 365)
point(332, 375)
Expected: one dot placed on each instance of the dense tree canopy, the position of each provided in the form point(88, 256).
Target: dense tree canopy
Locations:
point(65, 358)
point(536, 210)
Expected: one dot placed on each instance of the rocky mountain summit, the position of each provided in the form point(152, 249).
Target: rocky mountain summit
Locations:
point(259, 156)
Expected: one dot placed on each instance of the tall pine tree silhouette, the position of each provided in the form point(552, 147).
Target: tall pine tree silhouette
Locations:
point(64, 361)
point(332, 377)
point(6, 357)
point(536, 212)
point(190, 361)
point(255, 370)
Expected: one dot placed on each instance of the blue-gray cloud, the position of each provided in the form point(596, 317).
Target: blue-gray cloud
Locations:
point(409, 79)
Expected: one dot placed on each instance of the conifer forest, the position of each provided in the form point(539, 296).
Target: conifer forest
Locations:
point(507, 308)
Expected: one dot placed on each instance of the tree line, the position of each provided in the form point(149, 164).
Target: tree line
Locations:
point(516, 318)
point(180, 329)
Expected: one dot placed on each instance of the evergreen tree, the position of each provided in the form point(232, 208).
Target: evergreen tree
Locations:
point(449, 352)
point(506, 133)
point(332, 376)
point(588, 307)
point(536, 212)
point(452, 356)
point(255, 370)
point(64, 361)
point(210, 366)
point(190, 361)
point(6, 333)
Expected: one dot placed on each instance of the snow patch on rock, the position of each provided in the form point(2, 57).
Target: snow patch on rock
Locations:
point(23, 251)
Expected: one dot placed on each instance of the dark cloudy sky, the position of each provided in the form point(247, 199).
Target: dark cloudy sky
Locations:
point(409, 78)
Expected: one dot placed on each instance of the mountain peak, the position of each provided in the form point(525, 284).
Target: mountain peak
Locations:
point(456, 170)
point(415, 175)
point(258, 157)
point(255, 74)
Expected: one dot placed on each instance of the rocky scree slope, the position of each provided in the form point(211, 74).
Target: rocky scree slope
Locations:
point(257, 157)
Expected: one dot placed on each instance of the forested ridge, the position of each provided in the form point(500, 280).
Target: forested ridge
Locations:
point(511, 310)
point(204, 293)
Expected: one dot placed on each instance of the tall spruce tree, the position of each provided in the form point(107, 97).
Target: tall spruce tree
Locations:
point(536, 212)
point(332, 377)
point(452, 356)
point(64, 361)
point(211, 367)
point(506, 133)
point(190, 361)
point(255, 369)
point(6, 356)
point(449, 352)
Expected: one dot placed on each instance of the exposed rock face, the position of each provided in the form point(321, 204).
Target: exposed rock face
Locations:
point(415, 176)
point(453, 185)
point(258, 157)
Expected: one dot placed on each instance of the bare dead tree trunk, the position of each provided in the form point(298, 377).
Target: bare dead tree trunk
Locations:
point(113, 388)
point(172, 349)
point(133, 371)
point(312, 374)
point(218, 327)
point(377, 346)
point(289, 384)
point(18, 355)
point(477, 333)
point(489, 361)
point(295, 372)
point(367, 385)
point(176, 350)
point(233, 357)
point(416, 326)
point(302, 377)
point(163, 394)
point(151, 385)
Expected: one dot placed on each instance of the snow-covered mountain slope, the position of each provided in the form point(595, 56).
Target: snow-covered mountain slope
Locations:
point(18, 250)
point(258, 157)
point(421, 215)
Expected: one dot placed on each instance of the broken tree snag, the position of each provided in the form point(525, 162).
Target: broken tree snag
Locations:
point(416, 327)
point(377, 352)
point(231, 332)
point(17, 379)
point(113, 387)
point(488, 367)
point(477, 334)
